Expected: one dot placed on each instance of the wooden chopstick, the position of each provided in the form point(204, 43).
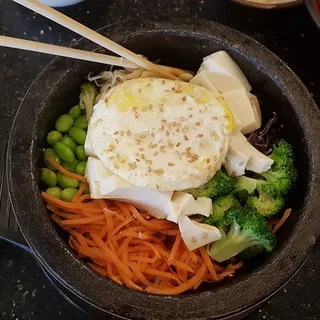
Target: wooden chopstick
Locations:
point(82, 55)
point(86, 32)
point(65, 52)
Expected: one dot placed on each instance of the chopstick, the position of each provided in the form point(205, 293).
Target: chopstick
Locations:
point(65, 52)
point(86, 32)
point(82, 55)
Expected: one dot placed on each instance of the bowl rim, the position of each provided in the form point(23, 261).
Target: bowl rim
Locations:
point(313, 7)
point(292, 257)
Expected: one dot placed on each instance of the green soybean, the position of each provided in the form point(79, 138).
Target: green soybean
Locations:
point(55, 192)
point(81, 122)
point(79, 135)
point(75, 112)
point(70, 166)
point(50, 153)
point(53, 137)
point(64, 123)
point(69, 142)
point(48, 177)
point(80, 153)
point(64, 152)
point(68, 194)
point(81, 168)
point(66, 182)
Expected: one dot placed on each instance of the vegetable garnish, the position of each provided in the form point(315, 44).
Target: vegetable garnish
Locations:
point(133, 248)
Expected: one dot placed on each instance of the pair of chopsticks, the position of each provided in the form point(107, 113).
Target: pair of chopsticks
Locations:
point(127, 59)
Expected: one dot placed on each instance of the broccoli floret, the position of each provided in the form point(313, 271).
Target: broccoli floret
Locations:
point(282, 174)
point(221, 184)
point(87, 98)
point(219, 206)
point(265, 204)
point(278, 180)
point(251, 252)
point(247, 229)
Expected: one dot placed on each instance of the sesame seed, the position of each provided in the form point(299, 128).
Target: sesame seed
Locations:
point(117, 141)
point(137, 154)
point(214, 118)
point(170, 164)
point(137, 159)
point(162, 128)
point(197, 124)
point(110, 158)
point(143, 156)
point(178, 144)
point(188, 149)
point(138, 141)
point(162, 149)
point(167, 133)
point(116, 132)
point(149, 84)
point(121, 133)
point(190, 108)
point(194, 239)
point(200, 135)
point(191, 115)
point(132, 166)
point(178, 129)
point(129, 133)
point(148, 161)
point(184, 98)
point(158, 172)
point(185, 138)
point(116, 167)
point(163, 81)
point(220, 149)
point(152, 134)
point(207, 160)
point(156, 153)
point(157, 186)
point(140, 149)
point(204, 235)
point(149, 169)
point(164, 120)
point(139, 90)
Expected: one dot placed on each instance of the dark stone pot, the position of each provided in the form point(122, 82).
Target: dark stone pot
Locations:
point(179, 43)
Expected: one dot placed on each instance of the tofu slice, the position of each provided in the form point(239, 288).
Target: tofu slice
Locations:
point(245, 108)
point(242, 155)
point(96, 172)
point(224, 73)
point(202, 79)
point(195, 234)
point(185, 204)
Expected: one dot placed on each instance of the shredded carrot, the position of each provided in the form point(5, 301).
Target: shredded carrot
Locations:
point(79, 193)
point(282, 220)
point(72, 175)
point(133, 248)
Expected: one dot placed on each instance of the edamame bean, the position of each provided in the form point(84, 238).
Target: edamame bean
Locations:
point(55, 192)
point(81, 122)
point(66, 182)
point(69, 142)
point(80, 153)
point(64, 152)
point(50, 153)
point(68, 194)
point(71, 166)
point(77, 134)
point(53, 137)
point(64, 123)
point(48, 177)
point(81, 168)
point(75, 112)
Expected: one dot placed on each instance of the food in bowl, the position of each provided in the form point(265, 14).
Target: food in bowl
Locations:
point(156, 182)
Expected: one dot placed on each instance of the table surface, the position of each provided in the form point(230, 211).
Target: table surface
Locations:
point(25, 292)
